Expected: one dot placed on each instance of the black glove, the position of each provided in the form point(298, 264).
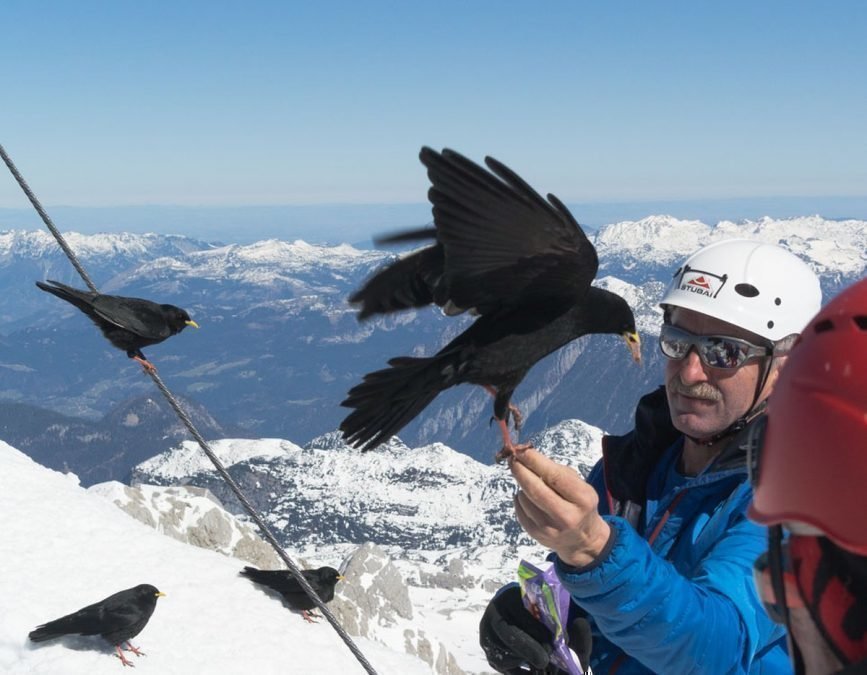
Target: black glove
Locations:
point(511, 637)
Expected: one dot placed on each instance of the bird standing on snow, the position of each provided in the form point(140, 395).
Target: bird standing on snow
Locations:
point(118, 618)
point(128, 323)
point(322, 580)
point(500, 251)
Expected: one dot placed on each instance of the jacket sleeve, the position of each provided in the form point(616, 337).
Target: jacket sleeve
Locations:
point(712, 622)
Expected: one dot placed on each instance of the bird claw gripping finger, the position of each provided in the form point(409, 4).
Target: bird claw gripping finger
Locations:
point(510, 450)
point(547, 600)
point(517, 417)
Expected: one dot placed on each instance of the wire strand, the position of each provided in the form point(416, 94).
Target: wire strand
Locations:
point(203, 444)
point(47, 220)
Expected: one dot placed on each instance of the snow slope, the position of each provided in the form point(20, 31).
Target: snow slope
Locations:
point(63, 548)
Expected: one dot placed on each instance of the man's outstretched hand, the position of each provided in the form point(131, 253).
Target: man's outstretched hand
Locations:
point(558, 508)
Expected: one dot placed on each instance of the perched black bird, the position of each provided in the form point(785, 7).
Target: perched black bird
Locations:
point(500, 251)
point(118, 618)
point(128, 323)
point(323, 581)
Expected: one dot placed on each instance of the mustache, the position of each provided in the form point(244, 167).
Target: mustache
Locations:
point(702, 390)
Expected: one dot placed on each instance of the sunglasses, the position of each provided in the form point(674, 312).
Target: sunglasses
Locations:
point(715, 351)
point(764, 574)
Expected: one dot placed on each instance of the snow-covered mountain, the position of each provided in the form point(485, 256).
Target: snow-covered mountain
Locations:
point(279, 347)
point(835, 249)
point(429, 498)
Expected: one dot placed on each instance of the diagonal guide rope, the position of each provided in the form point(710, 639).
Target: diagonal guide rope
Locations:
point(296, 573)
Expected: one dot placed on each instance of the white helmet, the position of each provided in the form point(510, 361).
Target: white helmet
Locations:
point(762, 288)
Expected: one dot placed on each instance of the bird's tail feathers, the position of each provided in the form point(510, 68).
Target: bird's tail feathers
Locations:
point(73, 624)
point(387, 400)
point(46, 632)
point(81, 299)
point(252, 573)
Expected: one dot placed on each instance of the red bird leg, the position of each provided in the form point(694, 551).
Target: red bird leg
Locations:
point(509, 448)
point(517, 417)
point(134, 650)
point(309, 617)
point(122, 658)
point(147, 365)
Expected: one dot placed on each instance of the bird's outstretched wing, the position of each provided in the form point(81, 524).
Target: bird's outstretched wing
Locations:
point(503, 243)
point(412, 281)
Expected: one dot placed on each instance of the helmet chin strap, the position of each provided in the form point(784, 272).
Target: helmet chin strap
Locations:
point(752, 412)
point(775, 562)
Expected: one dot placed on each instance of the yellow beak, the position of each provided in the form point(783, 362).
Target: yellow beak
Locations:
point(634, 344)
point(191, 323)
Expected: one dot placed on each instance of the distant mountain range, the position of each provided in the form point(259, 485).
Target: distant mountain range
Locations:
point(279, 348)
point(103, 449)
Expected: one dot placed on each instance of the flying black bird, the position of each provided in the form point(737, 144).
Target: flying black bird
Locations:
point(118, 618)
point(128, 323)
point(501, 251)
point(323, 581)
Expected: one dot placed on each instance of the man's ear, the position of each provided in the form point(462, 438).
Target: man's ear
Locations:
point(776, 366)
point(781, 355)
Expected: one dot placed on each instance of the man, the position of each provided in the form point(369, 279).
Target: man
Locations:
point(655, 548)
point(809, 465)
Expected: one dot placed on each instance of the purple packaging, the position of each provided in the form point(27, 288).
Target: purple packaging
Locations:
point(547, 600)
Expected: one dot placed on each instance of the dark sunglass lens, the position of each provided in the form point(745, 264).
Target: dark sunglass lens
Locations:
point(719, 352)
point(672, 344)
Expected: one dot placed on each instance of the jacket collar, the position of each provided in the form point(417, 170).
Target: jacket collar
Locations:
point(629, 459)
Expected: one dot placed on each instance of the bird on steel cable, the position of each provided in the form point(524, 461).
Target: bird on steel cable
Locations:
point(128, 323)
point(322, 580)
point(498, 250)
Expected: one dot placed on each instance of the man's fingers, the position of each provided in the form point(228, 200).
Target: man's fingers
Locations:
point(533, 470)
point(535, 515)
point(558, 477)
point(535, 489)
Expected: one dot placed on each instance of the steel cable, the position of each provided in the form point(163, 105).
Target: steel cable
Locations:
point(293, 569)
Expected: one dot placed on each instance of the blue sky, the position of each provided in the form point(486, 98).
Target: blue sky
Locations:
point(213, 104)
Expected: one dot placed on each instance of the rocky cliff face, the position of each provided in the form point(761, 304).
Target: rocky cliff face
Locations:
point(191, 515)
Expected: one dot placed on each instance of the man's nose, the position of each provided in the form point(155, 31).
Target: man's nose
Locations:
point(691, 368)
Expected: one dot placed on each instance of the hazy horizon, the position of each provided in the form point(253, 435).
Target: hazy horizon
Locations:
point(359, 223)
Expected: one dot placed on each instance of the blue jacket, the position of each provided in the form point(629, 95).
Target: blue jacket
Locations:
point(683, 602)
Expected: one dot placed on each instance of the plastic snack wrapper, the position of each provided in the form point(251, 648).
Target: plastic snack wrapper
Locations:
point(547, 600)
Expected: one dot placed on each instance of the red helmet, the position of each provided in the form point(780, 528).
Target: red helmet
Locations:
point(812, 465)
